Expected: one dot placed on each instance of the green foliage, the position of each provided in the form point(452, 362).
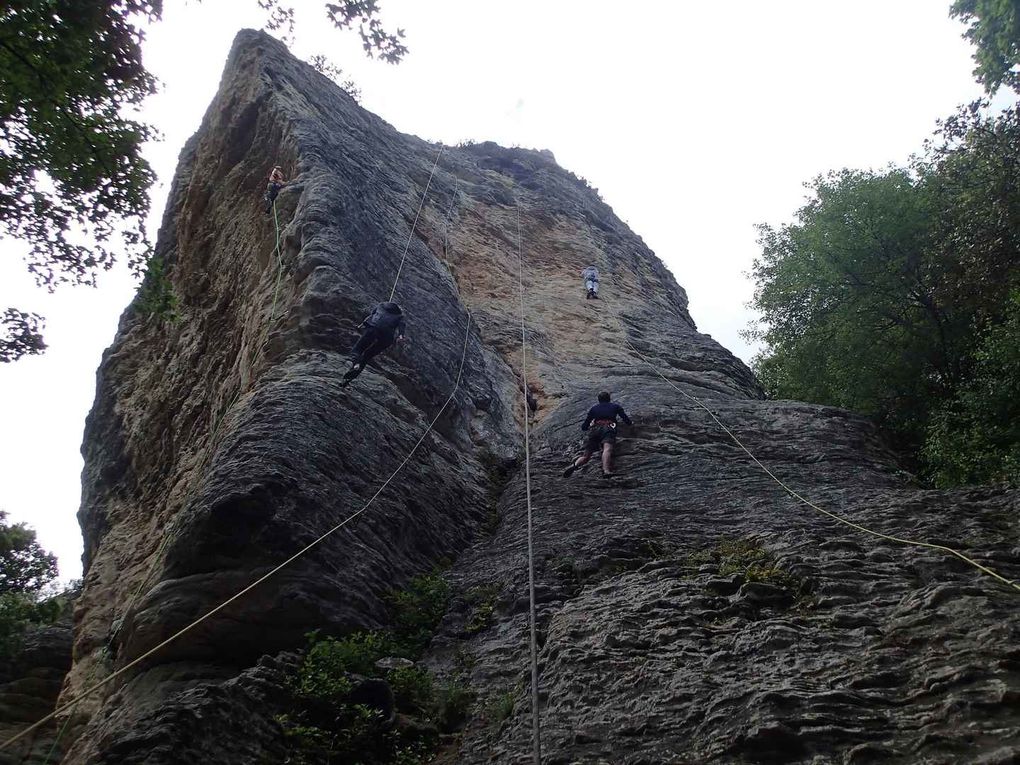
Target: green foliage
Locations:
point(974, 437)
point(881, 294)
point(993, 26)
point(500, 707)
point(70, 164)
point(73, 183)
point(24, 566)
point(156, 297)
point(451, 705)
point(417, 611)
point(18, 613)
point(25, 571)
point(412, 688)
point(20, 334)
point(749, 559)
point(483, 602)
point(325, 726)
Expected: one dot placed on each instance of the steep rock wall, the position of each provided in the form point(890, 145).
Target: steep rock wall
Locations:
point(222, 443)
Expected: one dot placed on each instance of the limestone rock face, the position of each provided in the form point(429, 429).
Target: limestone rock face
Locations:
point(223, 443)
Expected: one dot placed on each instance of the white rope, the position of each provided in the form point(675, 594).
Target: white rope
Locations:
point(414, 225)
point(535, 729)
point(92, 689)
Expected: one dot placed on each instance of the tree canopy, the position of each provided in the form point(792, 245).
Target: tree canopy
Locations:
point(74, 186)
point(993, 26)
point(895, 294)
point(25, 571)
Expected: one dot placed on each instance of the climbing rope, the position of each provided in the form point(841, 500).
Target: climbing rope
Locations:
point(834, 516)
point(184, 630)
point(60, 733)
point(414, 225)
point(535, 729)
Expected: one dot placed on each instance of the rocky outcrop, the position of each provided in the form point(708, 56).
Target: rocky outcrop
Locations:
point(689, 610)
point(30, 681)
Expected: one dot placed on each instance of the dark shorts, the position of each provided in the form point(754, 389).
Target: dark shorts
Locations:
point(598, 435)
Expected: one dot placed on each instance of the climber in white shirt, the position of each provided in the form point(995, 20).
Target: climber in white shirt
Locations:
point(591, 282)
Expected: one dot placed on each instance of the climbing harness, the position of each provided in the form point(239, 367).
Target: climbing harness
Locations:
point(414, 225)
point(184, 630)
point(535, 728)
point(834, 516)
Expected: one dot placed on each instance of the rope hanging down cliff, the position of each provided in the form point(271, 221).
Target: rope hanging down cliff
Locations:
point(834, 516)
point(184, 630)
point(414, 225)
point(535, 728)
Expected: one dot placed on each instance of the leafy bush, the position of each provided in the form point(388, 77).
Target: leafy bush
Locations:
point(483, 602)
point(326, 726)
point(156, 297)
point(412, 688)
point(417, 611)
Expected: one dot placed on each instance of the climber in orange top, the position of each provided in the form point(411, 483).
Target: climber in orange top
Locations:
point(600, 425)
point(276, 182)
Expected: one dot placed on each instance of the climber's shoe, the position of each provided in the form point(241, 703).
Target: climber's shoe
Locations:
point(608, 475)
point(570, 470)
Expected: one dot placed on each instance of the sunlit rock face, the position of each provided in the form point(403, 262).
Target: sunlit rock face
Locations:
point(222, 443)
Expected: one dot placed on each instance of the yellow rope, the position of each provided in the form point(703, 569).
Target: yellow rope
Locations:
point(829, 513)
point(184, 630)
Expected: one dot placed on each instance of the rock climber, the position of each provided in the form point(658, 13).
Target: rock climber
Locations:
point(591, 282)
point(383, 327)
point(530, 398)
point(600, 424)
point(276, 182)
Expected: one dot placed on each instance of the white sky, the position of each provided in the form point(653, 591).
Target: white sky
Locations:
point(695, 121)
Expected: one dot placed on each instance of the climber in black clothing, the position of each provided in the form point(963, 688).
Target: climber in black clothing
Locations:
point(600, 424)
point(383, 327)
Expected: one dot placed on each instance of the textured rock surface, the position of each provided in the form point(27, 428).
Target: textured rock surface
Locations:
point(30, 681)
point(221, 444)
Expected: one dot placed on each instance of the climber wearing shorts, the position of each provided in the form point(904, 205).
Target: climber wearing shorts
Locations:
point(600, 425)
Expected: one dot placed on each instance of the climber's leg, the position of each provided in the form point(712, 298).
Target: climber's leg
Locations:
point(270, 196)
point(607, 458)
point(369, 345)
point(591, 446)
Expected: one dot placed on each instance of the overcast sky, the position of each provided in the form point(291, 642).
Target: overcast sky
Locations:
point(694, 120)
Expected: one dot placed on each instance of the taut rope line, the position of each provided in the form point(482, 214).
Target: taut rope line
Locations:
point(135, 662)
point(414, 225)
point(834, 516)
point(535, 728)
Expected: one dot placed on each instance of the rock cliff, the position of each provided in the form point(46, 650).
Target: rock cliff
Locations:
point(688, 611)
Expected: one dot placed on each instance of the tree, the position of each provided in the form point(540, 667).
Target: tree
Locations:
point(993, 26)
point(895, 294)
point(848, 301)
point(73, 183)
point(974, 437)
point(25, 571)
